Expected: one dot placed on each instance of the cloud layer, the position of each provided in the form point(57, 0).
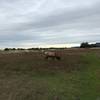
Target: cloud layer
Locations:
point(29, 23)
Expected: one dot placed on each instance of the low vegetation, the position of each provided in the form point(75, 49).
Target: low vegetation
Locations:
point(28, 76)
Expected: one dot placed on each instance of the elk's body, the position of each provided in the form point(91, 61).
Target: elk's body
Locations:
point(52, 55)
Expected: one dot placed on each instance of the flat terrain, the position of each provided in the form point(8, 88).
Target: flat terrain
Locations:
point(28, 76)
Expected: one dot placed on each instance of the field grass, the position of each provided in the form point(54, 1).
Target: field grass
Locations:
point(28, 76)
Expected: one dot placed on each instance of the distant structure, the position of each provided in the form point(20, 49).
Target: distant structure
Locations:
point(97, 44)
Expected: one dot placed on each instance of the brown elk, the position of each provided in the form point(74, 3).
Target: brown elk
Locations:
point(52, 55)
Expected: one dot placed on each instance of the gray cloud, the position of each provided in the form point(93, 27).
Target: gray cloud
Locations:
point(49, 22)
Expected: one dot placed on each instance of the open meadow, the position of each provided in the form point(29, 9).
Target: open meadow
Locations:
point(28, 76)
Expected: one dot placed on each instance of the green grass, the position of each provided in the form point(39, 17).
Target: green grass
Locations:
point(82, 84)
point(90, 78)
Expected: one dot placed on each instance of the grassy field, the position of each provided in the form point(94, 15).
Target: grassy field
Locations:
point(28, 76)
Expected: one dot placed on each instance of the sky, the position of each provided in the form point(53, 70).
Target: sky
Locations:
point(44, 23)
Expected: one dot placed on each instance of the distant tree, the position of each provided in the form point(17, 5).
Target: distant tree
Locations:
point(33, 48)
point(93, 45)
point(13, 49)
point(85, 45)
point(6, 49)
point(20, 49)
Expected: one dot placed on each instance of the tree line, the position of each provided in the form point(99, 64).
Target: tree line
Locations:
point(82, 45)
point(87, 45)
point(10, 49)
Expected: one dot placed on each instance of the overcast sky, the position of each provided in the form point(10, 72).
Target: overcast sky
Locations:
point(29, 23)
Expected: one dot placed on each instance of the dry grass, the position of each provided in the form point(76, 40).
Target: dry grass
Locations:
point(28, 76)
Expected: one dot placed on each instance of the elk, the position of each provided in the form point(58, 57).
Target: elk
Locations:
point(52, 55)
